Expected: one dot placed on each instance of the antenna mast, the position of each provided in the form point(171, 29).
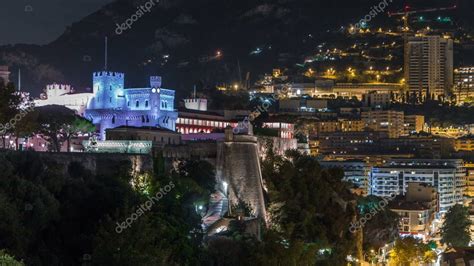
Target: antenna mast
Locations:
point(106, 50)
point(19, 79)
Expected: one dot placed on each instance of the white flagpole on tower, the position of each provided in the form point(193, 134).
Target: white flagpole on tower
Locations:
point(19, 79)
point(106, 48)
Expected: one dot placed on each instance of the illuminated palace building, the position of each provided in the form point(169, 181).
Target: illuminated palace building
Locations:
point(190, 122)
point(195, 118)
point(113, 105)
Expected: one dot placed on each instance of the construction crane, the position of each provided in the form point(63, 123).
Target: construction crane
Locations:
point(407, 13)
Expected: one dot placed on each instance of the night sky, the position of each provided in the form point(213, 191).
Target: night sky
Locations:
point(41, 21)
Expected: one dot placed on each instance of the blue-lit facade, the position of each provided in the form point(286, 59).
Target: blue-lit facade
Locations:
point(113, 105)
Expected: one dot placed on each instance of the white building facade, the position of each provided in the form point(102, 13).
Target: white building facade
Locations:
point(448, 177)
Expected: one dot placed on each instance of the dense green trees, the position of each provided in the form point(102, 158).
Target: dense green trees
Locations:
point(456, 227)
point(77, 126)
point(9, 101)
point(382, 227)
point(52, 218)
point(310, 206)
point(25, 121)
point(410, 250)
point(8, 260)
point(60, 127)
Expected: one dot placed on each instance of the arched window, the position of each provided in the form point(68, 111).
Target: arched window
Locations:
point(146, 103)
point(137, 104)
point(113, 119)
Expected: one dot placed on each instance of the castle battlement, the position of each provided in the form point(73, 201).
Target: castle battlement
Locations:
point(155, 81)
point(194, 100)
point(109, 74)
point(55, 90)
point(114, 105)
point(199, 104)
point(56, 86)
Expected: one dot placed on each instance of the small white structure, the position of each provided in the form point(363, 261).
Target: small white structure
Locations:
point(196, 104)
point(61, 94)
point(4, 74)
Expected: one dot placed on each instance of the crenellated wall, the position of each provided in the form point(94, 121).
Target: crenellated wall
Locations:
point(56, 90)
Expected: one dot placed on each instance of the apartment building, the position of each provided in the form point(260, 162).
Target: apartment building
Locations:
point(429, 66)
point(389, 121)
point(417, 210)
point(448, 177)
point(464, 84)
point(413, 124)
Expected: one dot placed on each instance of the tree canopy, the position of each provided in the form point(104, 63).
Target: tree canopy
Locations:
point(310, 205)
point(410, 250)
point(456, 227)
